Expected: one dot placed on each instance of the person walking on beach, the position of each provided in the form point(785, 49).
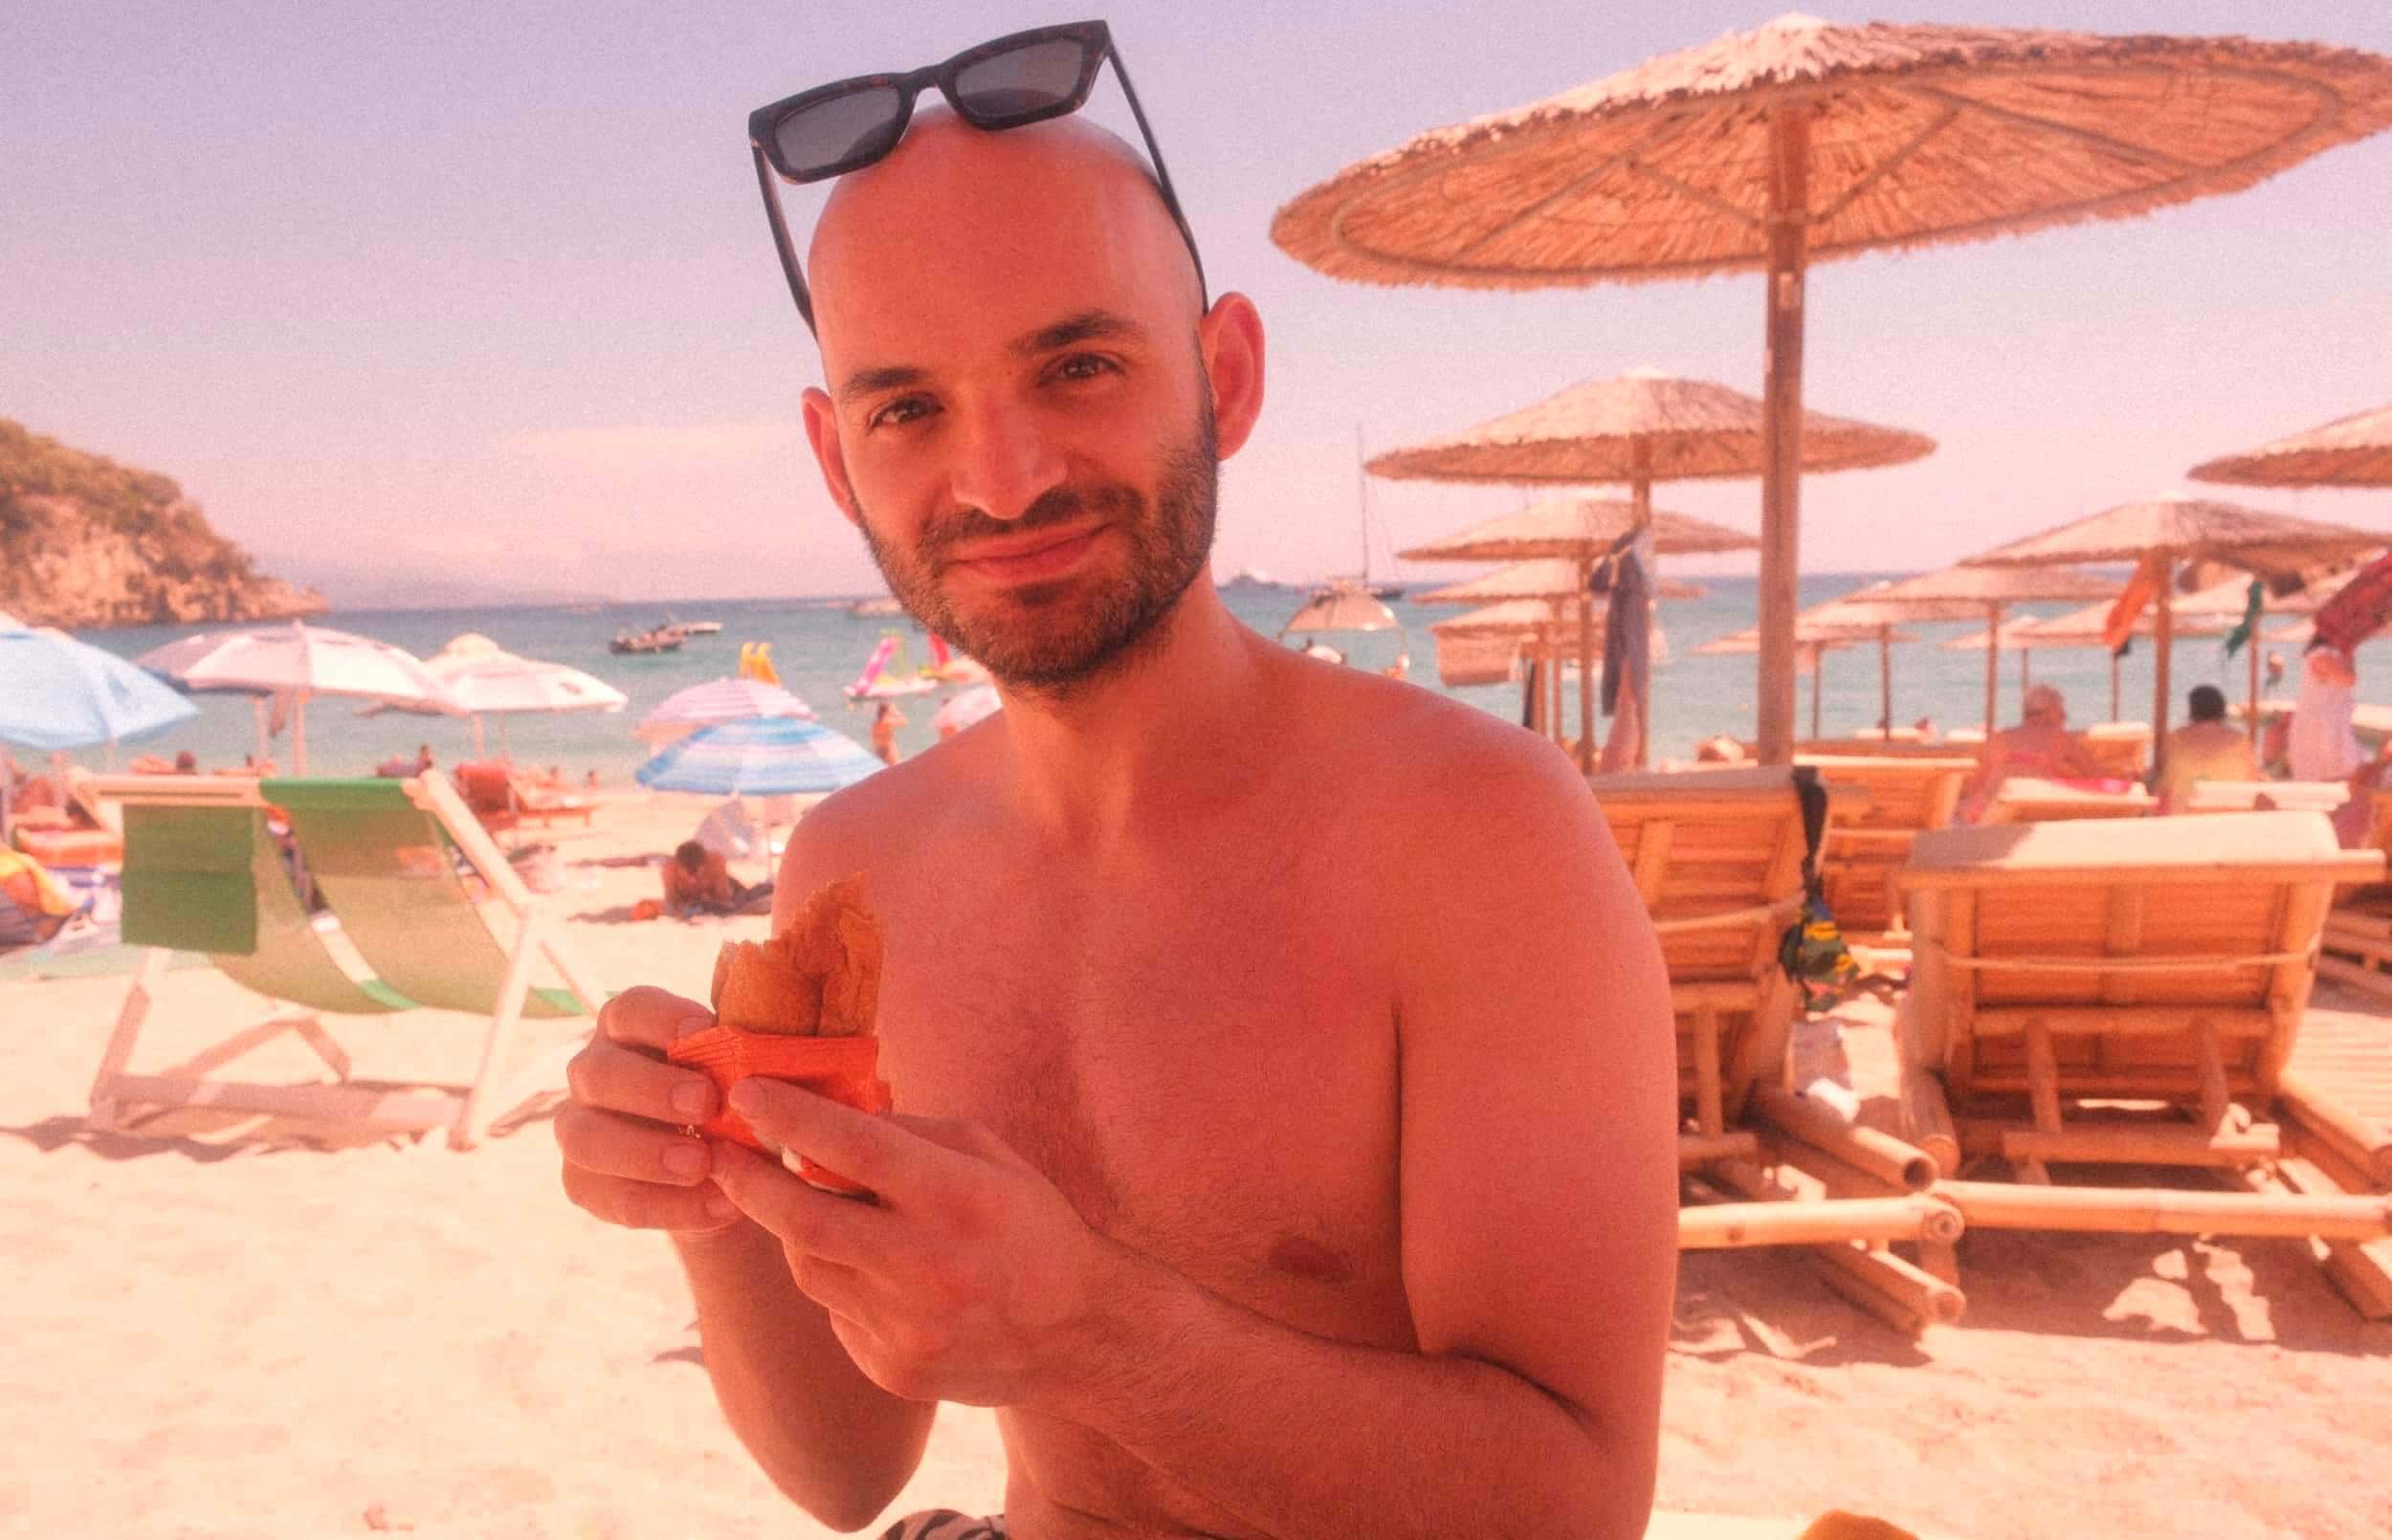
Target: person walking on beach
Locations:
point(1285, 1140)
point(884, 725)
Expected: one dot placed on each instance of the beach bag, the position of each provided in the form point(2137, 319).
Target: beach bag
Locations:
point(1812, 950)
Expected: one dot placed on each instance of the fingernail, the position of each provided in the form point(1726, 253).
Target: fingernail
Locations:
point(747, 1098)
point(686, 1160)
point(720, 1207)
point(690, 1100)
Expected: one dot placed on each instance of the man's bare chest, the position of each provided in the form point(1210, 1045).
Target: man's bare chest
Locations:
point(1208, 1074)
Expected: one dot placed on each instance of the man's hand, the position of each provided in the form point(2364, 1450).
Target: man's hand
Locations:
point(971, 1280)
point(626, 1158)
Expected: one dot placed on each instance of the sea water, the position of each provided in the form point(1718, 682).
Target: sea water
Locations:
point(819, 644)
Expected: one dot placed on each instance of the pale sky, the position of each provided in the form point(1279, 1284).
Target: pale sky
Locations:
point(477, 299)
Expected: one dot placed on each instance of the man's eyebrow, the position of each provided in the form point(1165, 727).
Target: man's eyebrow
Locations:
point(1088, 327)
point(887, 377)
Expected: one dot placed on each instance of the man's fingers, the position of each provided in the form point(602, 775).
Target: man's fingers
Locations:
point(860, 1146)
point(645, 1205)
point(651, 1017)
point(623, 1080)
point(806, 1220)
point(612, 1146)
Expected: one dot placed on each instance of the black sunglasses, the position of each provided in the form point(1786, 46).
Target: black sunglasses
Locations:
point(1025, 77)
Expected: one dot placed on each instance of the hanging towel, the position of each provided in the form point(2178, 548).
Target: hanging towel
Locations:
point(2140, 590)
point(2358, 611)
point(1626, 651)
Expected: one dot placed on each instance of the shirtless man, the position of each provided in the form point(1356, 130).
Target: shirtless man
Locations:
point(1285, 1142)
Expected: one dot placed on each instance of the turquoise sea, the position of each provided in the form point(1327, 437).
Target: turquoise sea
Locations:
point(820, 644)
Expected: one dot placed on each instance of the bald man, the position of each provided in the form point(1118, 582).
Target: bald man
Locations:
point(1285, 1142)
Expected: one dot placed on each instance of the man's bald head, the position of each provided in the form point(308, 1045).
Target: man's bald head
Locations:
point(961, 214)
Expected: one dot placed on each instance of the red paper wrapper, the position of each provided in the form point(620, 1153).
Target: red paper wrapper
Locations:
point(839, 1067)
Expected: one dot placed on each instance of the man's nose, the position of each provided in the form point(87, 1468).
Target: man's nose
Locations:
point(1004, 462)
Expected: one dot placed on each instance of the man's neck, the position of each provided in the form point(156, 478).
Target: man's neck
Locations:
point(1154, 738)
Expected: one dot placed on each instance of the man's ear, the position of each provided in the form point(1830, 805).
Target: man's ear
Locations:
point(822, 432)
point(1231, 337)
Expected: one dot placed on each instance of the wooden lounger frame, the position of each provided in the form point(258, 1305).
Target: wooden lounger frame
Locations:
point(1718, 858)
point(2136, 1005)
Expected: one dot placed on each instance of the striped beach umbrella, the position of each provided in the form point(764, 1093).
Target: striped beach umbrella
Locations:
point(763, 756)
point(718, 701)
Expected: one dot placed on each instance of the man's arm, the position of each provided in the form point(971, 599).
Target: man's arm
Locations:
point(1539, 1236)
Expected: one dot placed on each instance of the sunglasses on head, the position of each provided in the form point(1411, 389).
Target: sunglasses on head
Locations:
point(1025, 77)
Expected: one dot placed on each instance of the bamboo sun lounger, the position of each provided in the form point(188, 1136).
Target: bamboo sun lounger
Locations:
point(204, 873)
point(2126, 993)
point(1720, 858)
point(1869, 836)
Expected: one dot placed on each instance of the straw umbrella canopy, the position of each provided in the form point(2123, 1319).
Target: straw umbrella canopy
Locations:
point(1343, 606)
point(2352, 451)
point(1531, 626)
point(1580, 530)
point(1641, 428)
point(1861, 613)
point(1805, 142)
point(1813, 642)
point(1993, 590)
point(2084, 627)
point(2174, 529)
point(1547, 579)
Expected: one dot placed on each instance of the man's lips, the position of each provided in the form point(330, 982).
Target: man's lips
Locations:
point(1038, 555)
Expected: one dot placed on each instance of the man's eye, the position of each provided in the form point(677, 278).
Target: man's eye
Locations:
point(898, 412)
point(1082, 366)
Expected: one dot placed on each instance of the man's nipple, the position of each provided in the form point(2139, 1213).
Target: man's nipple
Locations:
point(1299, 1257)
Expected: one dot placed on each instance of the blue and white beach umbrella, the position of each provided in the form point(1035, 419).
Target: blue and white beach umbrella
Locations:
point(763, 756)
point(58, 693)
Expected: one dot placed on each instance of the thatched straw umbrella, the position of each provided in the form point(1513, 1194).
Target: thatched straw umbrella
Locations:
point(1813, 642)
point(2354, 451)
point(1580, 530)
point(1532, 627)
point(1858, 611)
point(1639, 429)
point(1992, 591)
point(1805, 142)
point(1545, 579)
point(1343, 606)
point(2084, 627)
point(2174, 529)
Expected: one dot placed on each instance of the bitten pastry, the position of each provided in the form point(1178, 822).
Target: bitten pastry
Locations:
point(820, 978)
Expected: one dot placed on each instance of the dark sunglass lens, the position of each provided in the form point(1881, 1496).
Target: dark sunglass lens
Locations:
point(1025, 80)
point(828, 135)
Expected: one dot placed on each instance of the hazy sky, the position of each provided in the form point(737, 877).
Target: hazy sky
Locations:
point(415, 294)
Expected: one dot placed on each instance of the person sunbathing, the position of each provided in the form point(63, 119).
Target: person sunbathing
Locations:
point(2040, 745)
point(698, 881)
point(2205, 748)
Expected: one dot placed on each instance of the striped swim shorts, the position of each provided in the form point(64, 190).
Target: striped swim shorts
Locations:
point(945, 1524)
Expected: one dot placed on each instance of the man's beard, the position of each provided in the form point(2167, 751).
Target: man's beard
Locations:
point(1052, 637)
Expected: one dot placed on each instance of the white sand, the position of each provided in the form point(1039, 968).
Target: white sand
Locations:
point(234, 1330)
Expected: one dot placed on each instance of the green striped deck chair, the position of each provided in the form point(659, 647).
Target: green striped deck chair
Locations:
point(202, 873)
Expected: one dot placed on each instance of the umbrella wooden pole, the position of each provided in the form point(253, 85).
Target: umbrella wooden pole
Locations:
point(258, 709)
point(2250, 721)
point(2113, 687)
point(2162, 643)
point(1885, 684)
point(2024, 682)
point(1640, 493)
point(1586, 668)
point(1818, 678)
point(298, 732)
point(1993, 669)
point(1781, 424)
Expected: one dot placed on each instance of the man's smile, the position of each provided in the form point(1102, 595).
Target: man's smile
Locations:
point(1029, 558)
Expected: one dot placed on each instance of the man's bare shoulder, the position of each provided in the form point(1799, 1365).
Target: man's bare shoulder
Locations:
point(1442, 759)
point(867, 825)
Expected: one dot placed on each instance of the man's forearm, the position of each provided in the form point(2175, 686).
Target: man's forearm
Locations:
point(1301, 1436)
point(835, 1442)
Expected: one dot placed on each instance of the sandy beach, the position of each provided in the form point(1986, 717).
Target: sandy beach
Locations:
point(229, 1328)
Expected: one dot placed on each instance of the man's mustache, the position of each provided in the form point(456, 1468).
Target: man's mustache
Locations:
point(1062, 505)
